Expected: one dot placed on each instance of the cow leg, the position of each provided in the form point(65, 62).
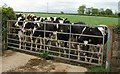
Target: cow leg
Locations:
point(75, 45)
point(56, 39)
point(31, 42)
point(20, 36)
point(73, 40)
point(100, 50)
point(31, 45)
point(25, 41)
point(86, 58)
point(47, 43)
point(78, 46)
point(65, 45)
point(40, 43)
point(50, 41)
point(36, 44)
point(19, 41)
point(59, 48)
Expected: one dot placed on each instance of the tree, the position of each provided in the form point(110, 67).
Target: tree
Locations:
point(94, 11)
point(7, 14)
point(101, 12)
point(108, 12)
point(88, 11)
point(62, 12)
point(81, 9)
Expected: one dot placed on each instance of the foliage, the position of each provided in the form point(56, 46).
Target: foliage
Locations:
point(62, 12)
point(45, 55)
point(81, 9)
point(95, 11)
point(101, 12)
point(97, 69)
point(7, 14)
point(117, 29)
point(88, 11)
point(108, 12)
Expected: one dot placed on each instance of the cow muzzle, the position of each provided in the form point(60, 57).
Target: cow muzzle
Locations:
point(85, 42)
point(23, 30)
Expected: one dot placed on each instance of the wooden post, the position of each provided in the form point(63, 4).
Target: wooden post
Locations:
point(109, 48)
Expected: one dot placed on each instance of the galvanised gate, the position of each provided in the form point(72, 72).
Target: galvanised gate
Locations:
point(97, 52)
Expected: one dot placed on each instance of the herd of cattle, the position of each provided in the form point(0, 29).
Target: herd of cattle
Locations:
point(32, 26)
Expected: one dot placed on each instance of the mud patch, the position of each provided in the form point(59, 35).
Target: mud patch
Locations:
point(41, 65)
point(36, 65)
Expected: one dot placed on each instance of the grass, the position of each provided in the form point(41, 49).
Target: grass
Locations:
point(90, 20)
point(97, 69)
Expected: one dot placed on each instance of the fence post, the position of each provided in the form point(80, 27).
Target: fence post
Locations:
point(109, 48)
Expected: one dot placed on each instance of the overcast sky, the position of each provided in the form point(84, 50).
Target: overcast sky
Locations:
point(68, 6)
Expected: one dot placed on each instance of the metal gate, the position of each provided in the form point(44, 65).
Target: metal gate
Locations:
point(96, 52)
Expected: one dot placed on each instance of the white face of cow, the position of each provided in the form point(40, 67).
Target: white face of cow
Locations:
point(101, 30)
point(48, 19)
point(57, 26)
point(34, 29)
point(85, 42)
point(61, 21)
point(16, 24)
point(35, 18)
point(23, 27)
point(55, 18)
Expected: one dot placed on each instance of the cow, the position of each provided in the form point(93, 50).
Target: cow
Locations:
point(30, 27)
point(25, 27)
point(94, 31)
point(65, 28)
point(100, 30)
point(19, 23)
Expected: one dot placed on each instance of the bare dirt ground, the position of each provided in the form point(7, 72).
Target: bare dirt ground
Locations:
point(19, 62)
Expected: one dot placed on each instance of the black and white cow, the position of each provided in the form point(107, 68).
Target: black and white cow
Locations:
point(63, 29)
point(26, 28)
point(30, 27)
point(95, 31)
point(100, 30)
point(19, 24)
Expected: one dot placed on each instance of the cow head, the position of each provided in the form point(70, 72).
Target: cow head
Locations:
point(95, 31)
point(20, 21)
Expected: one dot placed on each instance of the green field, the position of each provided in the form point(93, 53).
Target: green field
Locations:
point(90, 20)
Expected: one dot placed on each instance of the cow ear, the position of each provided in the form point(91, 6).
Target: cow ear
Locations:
point(65, 18)
point(38, 18)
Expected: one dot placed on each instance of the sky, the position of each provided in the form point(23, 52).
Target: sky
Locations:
point(56, 6)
